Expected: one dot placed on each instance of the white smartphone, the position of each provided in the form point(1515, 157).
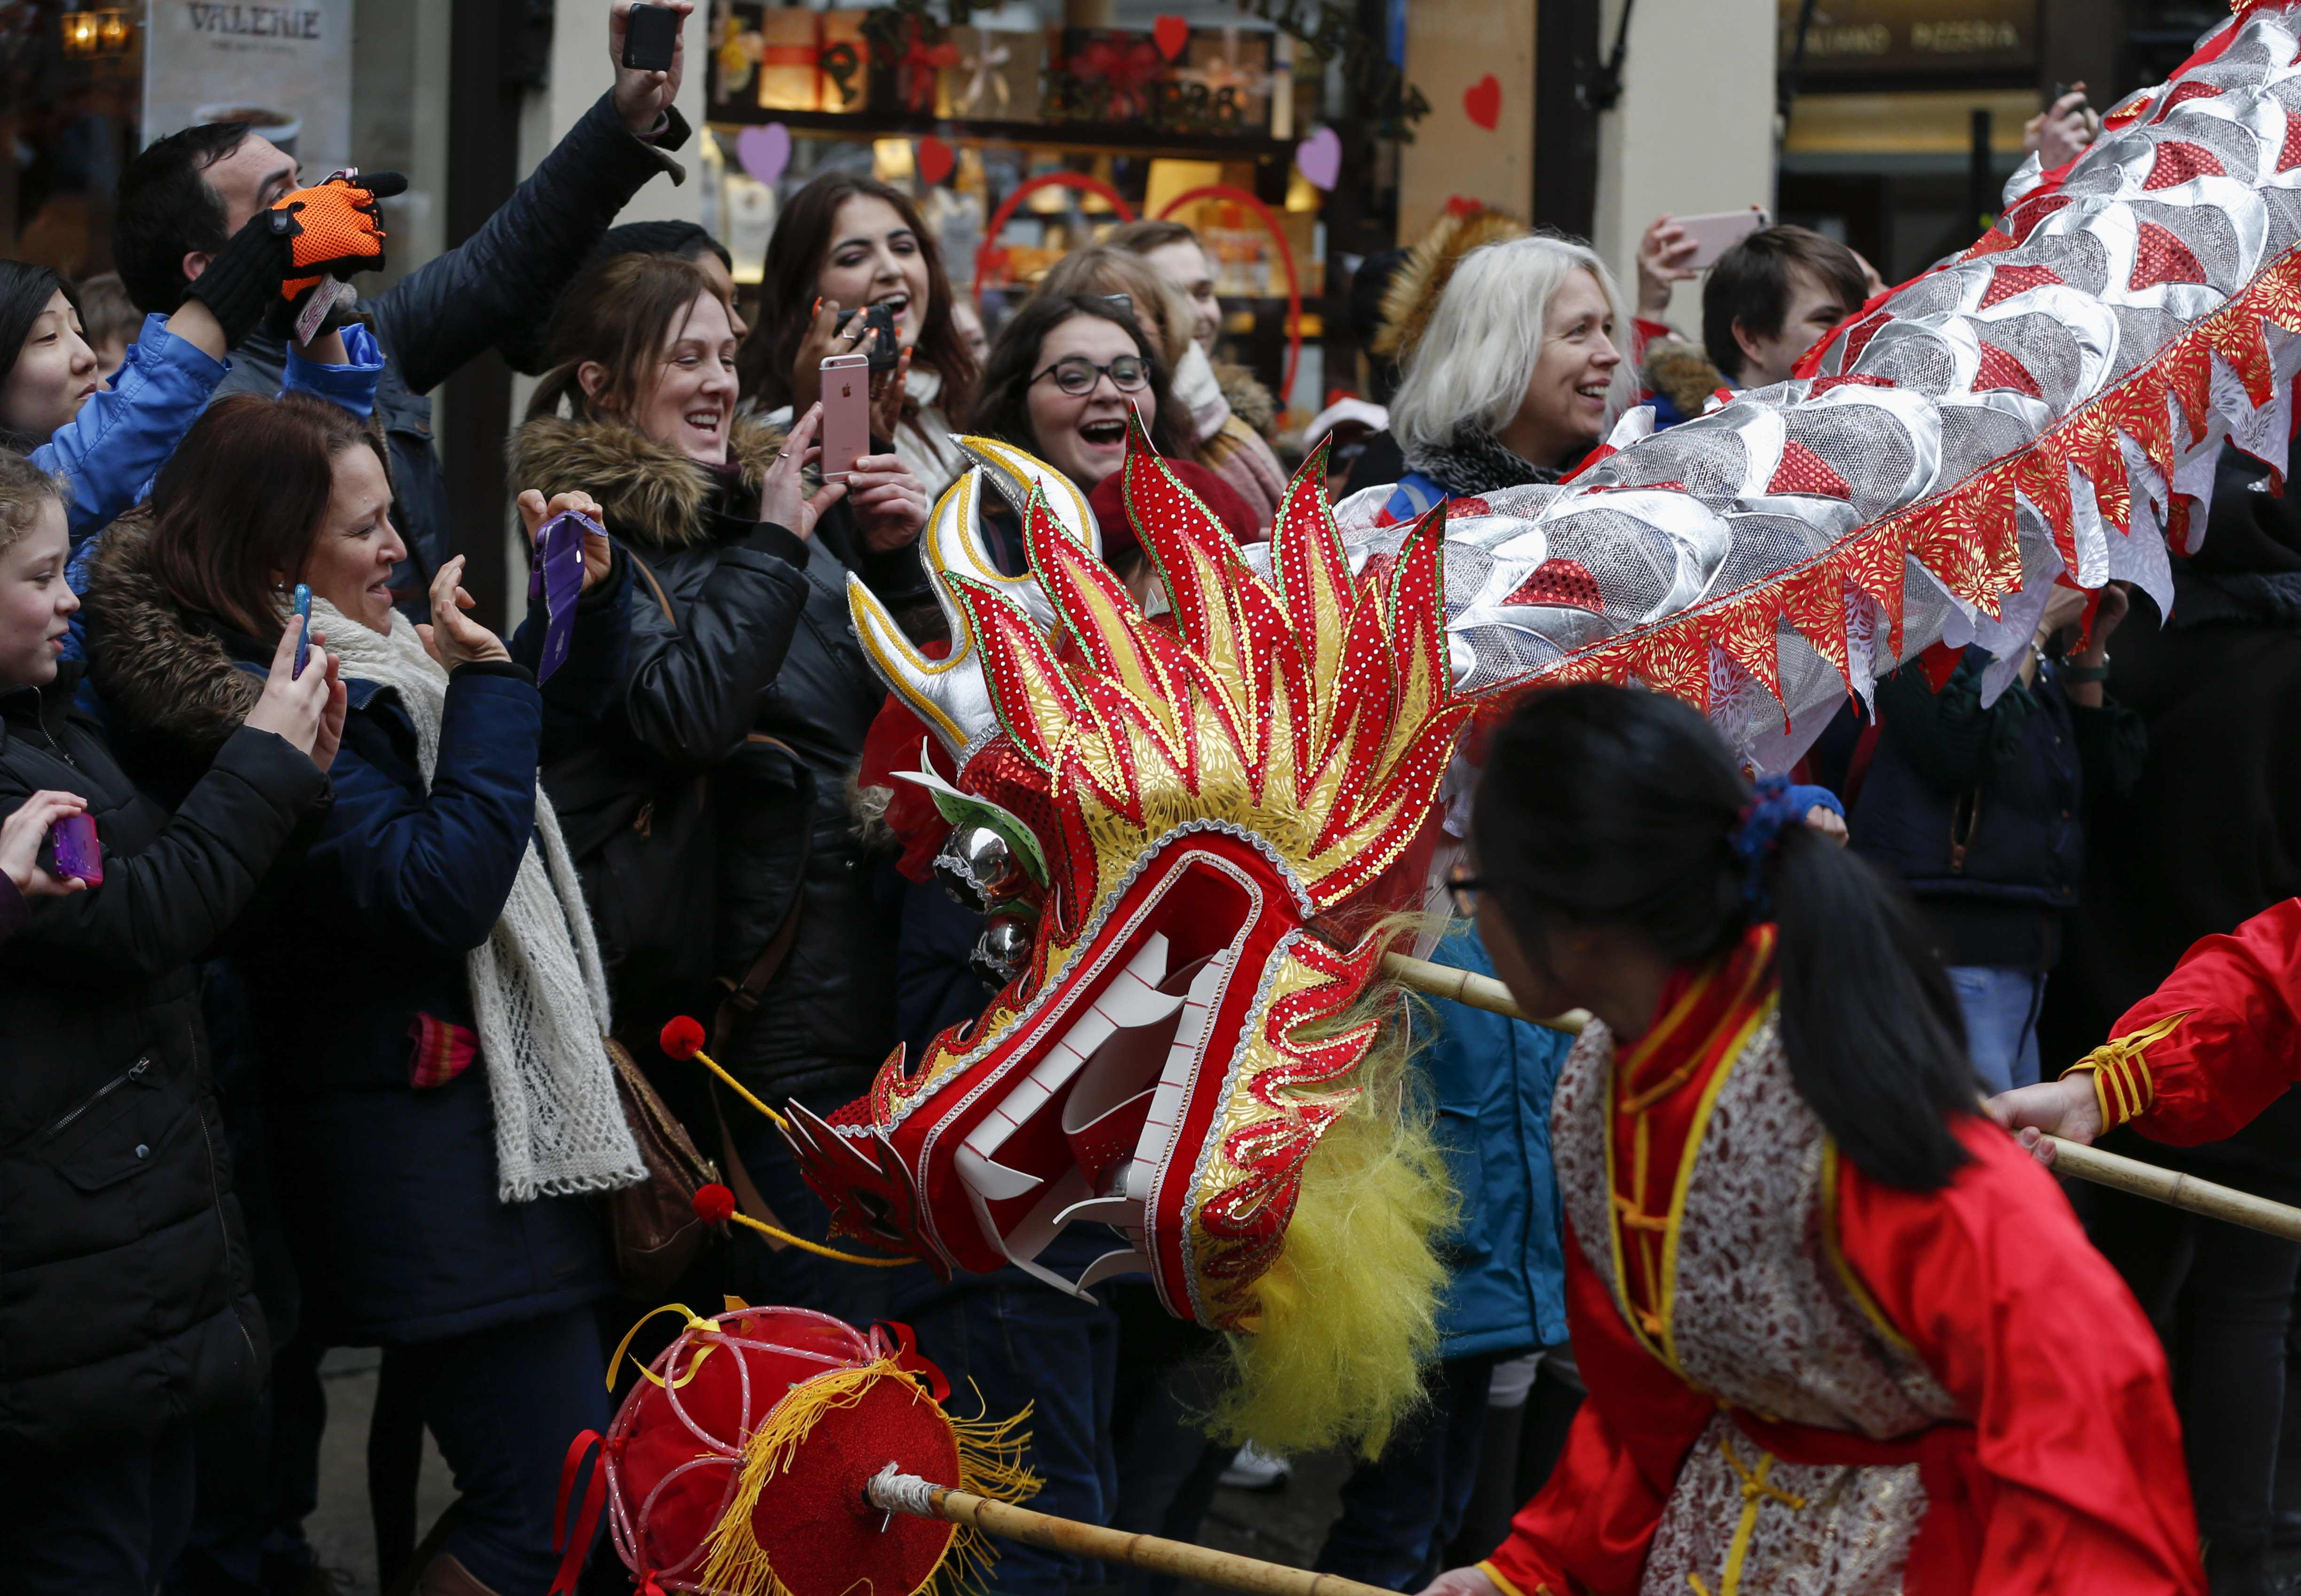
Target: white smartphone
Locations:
point(846, 414)
point(1719, 231)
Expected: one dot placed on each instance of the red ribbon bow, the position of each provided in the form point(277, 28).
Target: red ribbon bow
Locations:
point(920, 64)
point(1129, 67)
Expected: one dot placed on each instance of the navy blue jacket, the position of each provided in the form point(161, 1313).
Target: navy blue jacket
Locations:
point(1979, 812)
point(387, 1192)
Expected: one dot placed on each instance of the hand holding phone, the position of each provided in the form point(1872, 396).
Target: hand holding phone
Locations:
point(72, 850)
point(24, 844)
point(1719, 231)
point(304, 636)
point(555, 576)
point(846, 414)
point(879, 344)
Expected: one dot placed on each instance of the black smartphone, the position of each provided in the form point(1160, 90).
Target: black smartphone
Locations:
point(649, 34)
point(882, 347)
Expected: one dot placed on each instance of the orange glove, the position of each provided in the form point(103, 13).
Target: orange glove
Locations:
point(333, 230)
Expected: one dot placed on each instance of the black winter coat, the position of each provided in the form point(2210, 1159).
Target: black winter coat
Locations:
point(125, 1299)
point(754, 682)
point(2211, 835)
point(457, 307)
point(1979, 813)
point(388, 1189)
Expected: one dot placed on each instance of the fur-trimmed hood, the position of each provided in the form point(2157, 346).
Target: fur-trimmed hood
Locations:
point(651, 492)
point(1250, 400)
point(1681, 372)
point(169, 683)
point(1411, 298)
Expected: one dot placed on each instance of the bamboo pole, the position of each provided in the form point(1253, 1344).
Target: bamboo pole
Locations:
point(2167, 1186)
point(1467, 986)
point(896, 1492)
point(2176, 1190)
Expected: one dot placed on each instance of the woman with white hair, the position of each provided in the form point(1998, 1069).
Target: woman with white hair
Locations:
point(1517, 378)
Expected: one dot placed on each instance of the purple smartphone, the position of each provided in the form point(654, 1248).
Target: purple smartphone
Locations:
point(72, 850)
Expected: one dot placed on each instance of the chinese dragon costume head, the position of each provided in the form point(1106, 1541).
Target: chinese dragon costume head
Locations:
point(1195, 832)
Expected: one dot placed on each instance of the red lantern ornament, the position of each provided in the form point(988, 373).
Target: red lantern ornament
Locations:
point(737, 1467)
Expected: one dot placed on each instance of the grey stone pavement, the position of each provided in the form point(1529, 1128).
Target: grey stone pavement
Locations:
point(1285, 1525)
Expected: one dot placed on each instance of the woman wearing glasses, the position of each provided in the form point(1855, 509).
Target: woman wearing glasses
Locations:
point(709, 808)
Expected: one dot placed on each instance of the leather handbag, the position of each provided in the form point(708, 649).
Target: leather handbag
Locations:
point(654, 1225)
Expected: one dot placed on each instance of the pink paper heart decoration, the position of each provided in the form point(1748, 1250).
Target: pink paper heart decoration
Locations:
point(1319, 158)
point(764, 150)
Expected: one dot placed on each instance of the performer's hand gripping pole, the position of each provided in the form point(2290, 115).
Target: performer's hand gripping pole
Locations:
point(2070, 1158)
point(896, 1492)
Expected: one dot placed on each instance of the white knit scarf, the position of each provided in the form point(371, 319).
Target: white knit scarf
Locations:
point(538, 987)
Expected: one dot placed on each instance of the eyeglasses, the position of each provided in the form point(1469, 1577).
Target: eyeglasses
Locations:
point(1075, 374)
point(1464, 888)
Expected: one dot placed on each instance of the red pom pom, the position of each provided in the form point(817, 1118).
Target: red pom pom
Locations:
point(714, 1204)
point(682, 1038)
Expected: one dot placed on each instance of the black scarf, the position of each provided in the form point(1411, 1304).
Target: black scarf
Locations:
point(1474, 463)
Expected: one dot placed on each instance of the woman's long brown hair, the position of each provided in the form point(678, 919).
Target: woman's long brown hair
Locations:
point(244, 497)
point(803, 238)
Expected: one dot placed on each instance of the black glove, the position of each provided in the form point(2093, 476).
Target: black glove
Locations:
point(243, 279)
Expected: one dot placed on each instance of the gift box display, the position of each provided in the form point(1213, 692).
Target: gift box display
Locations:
point(1107, 75)
point(844, 57)
point(996, 76)
point(1223, 83)
point(791, 42)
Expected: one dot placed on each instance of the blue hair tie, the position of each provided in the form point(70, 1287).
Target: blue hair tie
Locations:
point(1758, 831)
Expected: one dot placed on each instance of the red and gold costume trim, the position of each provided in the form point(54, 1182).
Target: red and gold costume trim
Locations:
point(2121, 1072)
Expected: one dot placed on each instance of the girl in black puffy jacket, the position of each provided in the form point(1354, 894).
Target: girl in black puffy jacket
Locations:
point(125, 1311)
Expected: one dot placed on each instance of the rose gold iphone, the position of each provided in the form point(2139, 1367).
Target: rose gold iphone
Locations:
point(846, 414)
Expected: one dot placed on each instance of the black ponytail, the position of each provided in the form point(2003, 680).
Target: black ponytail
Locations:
point(1601, 806)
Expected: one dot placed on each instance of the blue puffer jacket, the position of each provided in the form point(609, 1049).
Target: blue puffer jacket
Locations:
point(387, 1191)
point(1493, 1077)
point(111, 450)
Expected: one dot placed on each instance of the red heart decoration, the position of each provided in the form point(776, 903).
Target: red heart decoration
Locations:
point(1171, 34)
point(1483, 102)
point(937, 159)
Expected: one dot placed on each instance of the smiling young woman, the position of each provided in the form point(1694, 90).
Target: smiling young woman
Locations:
point(844, 243)
point(742, 669)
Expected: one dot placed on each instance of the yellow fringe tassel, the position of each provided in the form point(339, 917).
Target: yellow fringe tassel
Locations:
point(990, 1465)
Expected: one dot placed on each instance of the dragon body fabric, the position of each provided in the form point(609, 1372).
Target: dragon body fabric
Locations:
point(1217, 816)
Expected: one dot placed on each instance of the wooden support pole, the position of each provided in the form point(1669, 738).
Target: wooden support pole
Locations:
point(1467, 986)
point(2176, 1190)
point(908, 1494)
point(2167, 1186)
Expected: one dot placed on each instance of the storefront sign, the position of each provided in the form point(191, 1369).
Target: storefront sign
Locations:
point(1849, 37)
point(285, 67)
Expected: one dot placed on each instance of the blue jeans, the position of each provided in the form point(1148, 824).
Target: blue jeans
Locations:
point(1401, 1511)
point(503, 1404)
point(1007, 1343)
point(2001, 1021)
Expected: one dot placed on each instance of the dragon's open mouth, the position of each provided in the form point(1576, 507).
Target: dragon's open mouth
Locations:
point(1083, 1109)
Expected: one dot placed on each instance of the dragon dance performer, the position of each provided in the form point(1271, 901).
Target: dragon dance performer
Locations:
point(1839, 1333)
point(2194, 1061)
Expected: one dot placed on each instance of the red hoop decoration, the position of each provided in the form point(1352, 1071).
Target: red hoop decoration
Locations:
point(1286, 259)
point(1028, 187)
